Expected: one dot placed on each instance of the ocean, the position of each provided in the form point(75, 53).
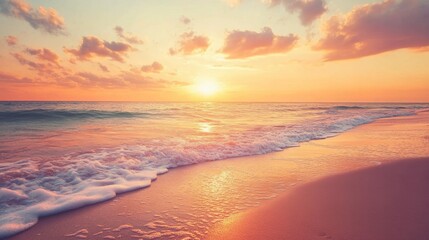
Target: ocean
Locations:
point(58, 156)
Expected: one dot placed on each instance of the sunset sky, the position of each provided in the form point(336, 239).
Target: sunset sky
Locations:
point(215, 50)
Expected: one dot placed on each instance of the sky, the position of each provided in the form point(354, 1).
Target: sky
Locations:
point(215, 50)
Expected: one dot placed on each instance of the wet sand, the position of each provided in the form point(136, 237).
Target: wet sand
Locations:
point(224, 198)
point(388, 202)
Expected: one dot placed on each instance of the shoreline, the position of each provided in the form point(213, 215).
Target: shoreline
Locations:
point(383, 202)
point(214, 170)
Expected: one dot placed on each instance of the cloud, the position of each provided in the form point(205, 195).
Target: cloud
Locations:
point(11, 40)
point(103, 67)
point(309, 10)
point(43, 54)
point(86, 79)
point(375, 28)
point(189, 43)
point(49, 75)
point(244, 44)
point(127, 79)
point(46, 64)
point(131, 39)
point(46, 19)
point(95, 47)
point(185, 20)
point(155, 67)
point(24, 61)
point(7, 78)
point(46, 71)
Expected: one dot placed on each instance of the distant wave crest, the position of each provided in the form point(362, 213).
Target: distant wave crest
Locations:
point(347, 107)
point(58, 115)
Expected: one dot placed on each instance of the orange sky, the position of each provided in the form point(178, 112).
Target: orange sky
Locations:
point(215, 50)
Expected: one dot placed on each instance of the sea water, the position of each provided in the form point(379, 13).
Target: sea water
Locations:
point(57, 156)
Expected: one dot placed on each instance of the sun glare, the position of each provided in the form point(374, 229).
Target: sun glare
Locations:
point(207, 87)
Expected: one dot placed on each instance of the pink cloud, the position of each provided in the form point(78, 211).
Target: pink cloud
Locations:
point(11, 40)
point(127, 79)
point(103, 67)
point(155, 67)
point(51, 74)
point(43, 54)
point(189, 43)
point(95, 47)
point(86, 79)
point(7, 78)
point(244, 44)
point(24, 61)
point(309, 10)
point(43, 61)
point(46, 19)
point(375, 28)
point(67, 78)
point(47, 71)
point(128, 37)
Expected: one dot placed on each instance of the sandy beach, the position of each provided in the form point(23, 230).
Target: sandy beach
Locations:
point(367, 183)
point(383, 202)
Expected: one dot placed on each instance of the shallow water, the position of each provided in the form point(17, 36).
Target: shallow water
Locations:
point(60, 156)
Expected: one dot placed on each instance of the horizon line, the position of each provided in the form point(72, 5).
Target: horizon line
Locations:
point(137, 101)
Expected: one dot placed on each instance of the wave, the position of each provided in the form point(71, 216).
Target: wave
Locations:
point(330, 108)
point(339, 107)
point(61, 115)
point(347, 107)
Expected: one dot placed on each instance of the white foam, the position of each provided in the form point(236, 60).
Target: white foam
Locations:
point(122, 227)
point(23, 210)
point(79, 232)
point(10, 195)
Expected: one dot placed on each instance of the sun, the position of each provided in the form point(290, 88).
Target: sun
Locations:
point(207, 87)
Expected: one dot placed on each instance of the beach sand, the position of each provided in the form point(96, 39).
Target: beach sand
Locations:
point(351, 186)
point(389, 202)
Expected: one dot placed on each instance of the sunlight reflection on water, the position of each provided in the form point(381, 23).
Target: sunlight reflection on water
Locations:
point(205, 127)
